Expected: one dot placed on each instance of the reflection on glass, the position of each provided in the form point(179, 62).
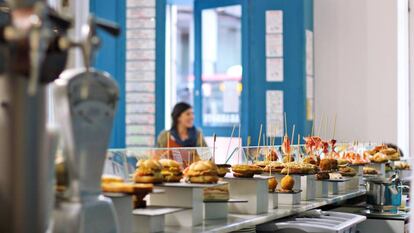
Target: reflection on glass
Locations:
point(221, 66)
point(179, 55)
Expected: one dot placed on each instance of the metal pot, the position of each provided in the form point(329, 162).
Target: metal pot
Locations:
point(383, 193)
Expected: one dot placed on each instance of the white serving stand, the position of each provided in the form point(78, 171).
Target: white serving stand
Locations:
point(254, 190)
point(273, 200)
point(322, 188)
point(123, 208)
point(353, 183)
point(337, 186)
point(291, 198)
point(308, 186)
point(380, 167)
point(359, 173)
point(304, 182)
point(218, 209)
point(151, 219)
point(183, 195)
point(404, 174)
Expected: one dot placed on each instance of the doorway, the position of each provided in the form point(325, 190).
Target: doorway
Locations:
point(203, 66)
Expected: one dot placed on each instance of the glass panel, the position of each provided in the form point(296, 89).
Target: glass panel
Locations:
point(221, 66)
point(179, 78)
point(123, 162)
point(183, 55)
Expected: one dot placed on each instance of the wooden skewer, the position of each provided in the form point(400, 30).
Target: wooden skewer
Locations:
point(334, 127)
point(200, 139)
point(193, 155)
point(285, 122)
point(214, 148)
point(249, 141)
point(270, 164)
point(264, 144)
point(239, 144)
point(274, 139)
point(291, 143)
point(320, 126)
point(231, 138)
point(313, 125)
point(326, 127)
point(168, 146)
point(269, 139)
point(299, 154)
point(288, 168)
point(272, 144)
point(258, 143)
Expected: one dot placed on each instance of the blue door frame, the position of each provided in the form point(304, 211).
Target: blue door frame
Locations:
point(199, 6)
point(161, 6)
point(111, 58)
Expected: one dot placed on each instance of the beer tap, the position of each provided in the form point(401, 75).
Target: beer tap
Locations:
point(90, 42)
point(31, 58)
point(86, 101)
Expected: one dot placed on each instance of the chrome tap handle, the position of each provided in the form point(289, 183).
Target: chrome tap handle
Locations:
point(89, 43)
point(39, 38)
point(37, 31)
point(108, 26)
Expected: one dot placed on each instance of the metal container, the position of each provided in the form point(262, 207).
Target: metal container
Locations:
point(383, 193)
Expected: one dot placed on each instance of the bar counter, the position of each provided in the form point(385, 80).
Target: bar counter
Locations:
point(236, 222)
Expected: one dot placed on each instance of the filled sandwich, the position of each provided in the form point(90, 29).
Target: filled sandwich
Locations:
point(171, 170)
point(148, 171)
point(246, 170)
point(201, 172)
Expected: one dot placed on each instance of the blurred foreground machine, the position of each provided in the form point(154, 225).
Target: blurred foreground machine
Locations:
point(30, 58)
point(33, 53)
point(86, 101)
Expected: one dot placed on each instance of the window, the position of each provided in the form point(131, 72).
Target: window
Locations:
point(179, 80)
point(221, 66)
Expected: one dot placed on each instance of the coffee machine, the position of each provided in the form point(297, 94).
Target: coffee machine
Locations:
point(86, 101)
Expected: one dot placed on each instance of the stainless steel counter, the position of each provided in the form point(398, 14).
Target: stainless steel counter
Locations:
point(236, 222)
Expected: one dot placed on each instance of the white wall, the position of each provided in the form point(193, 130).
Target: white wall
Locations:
point(356, 67)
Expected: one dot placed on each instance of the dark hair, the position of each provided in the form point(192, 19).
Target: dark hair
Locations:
point(178, 109)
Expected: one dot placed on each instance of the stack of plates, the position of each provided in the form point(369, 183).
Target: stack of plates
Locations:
point(247, 230)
